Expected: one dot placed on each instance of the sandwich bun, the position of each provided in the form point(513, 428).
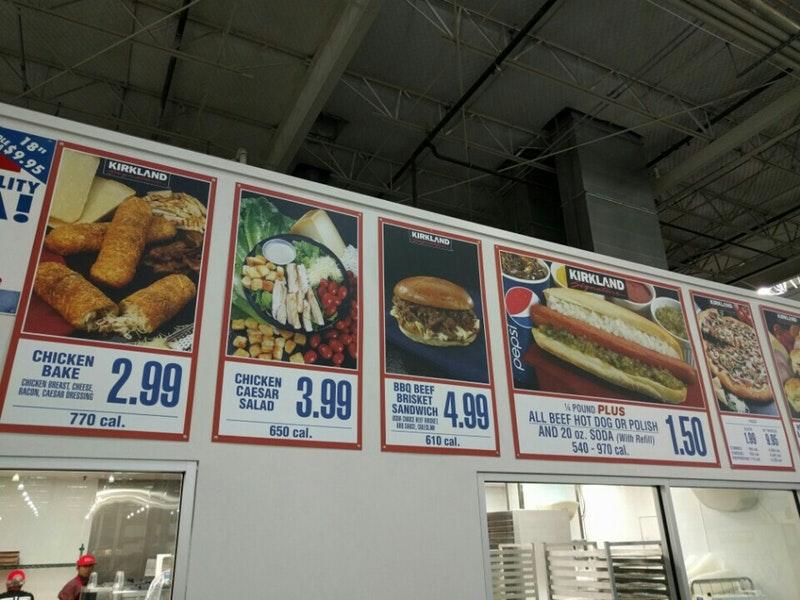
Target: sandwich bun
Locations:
point(607, 372)
point(434, 340)
point(435, 292)
point(612, 312)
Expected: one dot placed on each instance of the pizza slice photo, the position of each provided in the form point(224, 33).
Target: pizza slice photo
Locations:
point(733, 354)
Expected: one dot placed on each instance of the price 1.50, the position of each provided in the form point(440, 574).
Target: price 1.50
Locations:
point(335, 399)
point(474, 410)
point(692, 440)
point(159, 383)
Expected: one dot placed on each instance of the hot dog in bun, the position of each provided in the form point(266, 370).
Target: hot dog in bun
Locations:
point(612, 343)
point(435, 311)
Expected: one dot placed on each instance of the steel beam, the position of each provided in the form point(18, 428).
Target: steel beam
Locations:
point(326, 68)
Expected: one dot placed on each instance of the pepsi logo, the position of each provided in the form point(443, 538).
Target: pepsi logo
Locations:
point(518, 301)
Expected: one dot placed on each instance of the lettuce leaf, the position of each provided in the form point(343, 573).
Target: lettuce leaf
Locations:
point(258, 220)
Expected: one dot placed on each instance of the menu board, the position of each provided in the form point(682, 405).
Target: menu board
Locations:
point(751, 423)
point(104, 343)
point(24, 170)
point(290, 371)
point(436, 373)
point(600, 365)
point(783, 330)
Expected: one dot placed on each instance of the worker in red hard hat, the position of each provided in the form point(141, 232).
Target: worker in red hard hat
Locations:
point(14, 583)
point(72, 589)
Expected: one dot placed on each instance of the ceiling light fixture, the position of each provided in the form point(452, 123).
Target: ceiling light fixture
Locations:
point(20, 487)
point(110, 479)
point(779, 289)
point(15, 478)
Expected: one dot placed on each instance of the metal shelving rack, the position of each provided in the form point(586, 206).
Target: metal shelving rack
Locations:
point(513, 572)
point(580, 570)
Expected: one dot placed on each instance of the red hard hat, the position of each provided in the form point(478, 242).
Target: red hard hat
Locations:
point(87, 560)
point(16, 574)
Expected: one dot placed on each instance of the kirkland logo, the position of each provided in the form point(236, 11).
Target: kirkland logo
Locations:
point(594, 282)
point(120, 169)
point(428, 239)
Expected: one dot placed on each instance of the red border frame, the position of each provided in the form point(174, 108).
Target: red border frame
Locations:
point(382, 334)
point(28, 287)
point(223, 358)
point(762, 309)
point(720, 413)
point(512, 390)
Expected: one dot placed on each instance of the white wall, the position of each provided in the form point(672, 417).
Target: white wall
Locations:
point(619, 513)
point(295, 523)
point(762, 543)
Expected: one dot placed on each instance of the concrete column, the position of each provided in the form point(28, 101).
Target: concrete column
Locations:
point(606, 194)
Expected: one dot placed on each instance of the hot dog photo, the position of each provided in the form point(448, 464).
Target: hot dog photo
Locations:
point(434, 324)
point(576, 330)
point(122, 253)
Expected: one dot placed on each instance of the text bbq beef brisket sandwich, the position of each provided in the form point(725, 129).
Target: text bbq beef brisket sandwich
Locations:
point(612, 343)
point(435, 311)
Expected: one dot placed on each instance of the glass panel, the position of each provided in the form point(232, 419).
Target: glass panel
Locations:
point(739, 543)
point(128, 521)
point(565, 542)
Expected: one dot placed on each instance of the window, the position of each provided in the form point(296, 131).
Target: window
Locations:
point(128, 520)
point(739, 543)
point(564, 541)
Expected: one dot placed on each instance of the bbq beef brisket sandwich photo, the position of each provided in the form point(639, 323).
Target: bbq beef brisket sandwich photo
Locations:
point(435, 311)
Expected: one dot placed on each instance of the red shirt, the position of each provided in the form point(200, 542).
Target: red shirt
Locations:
point(72, 589)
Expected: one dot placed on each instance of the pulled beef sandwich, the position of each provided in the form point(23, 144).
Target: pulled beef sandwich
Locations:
point(612, 343)
point(435, 311)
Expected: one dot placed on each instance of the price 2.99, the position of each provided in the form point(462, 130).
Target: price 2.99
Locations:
point(158, 383)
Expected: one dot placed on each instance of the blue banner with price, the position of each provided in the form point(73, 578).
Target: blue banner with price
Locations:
point(24, 170)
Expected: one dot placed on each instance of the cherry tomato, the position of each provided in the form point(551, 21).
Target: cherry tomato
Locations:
point(337, 359)
point(340, 325)
point(310, 357)
point(329, 312)
point(342, 292)
point(352, 350)
point(323, 285)
point(331, 334)
point(325, 351)
point(336, 345)
point(315, 340)
point(346, 338)
point(337, 301)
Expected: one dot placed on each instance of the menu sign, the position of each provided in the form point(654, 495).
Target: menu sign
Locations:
point(290, 366)
point(783, 329)
point(600, 365)
point(435, 357)
point(24, 169)
point(751, 422)
point(105, 340)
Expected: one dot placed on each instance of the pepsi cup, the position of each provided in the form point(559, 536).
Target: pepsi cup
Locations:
point(519, 295)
